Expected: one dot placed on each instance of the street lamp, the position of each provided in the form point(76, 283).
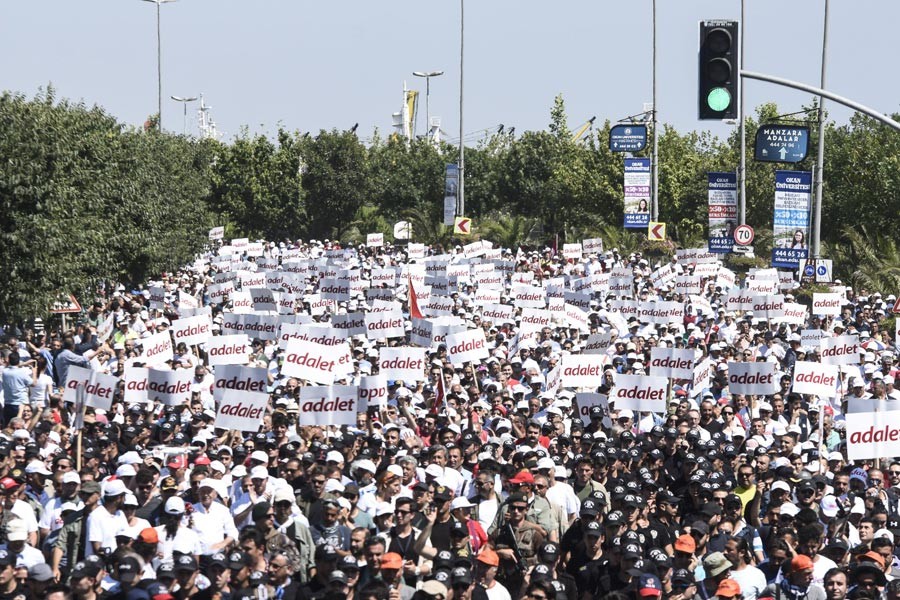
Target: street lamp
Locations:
point(159, 59)
point(427, 75)
point(185, 102)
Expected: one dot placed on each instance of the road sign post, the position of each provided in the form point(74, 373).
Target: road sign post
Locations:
point(743, 235)
point(781, 143)
point(656, 232)
point(462, 226)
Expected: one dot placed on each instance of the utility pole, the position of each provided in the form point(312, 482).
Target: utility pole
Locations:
point(655, 160)
point(159, 60)
point(461, 207)
point(820, 154)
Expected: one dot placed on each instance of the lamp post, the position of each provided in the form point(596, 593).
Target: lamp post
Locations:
point(427, 75)
point(461, 206)
point(184, 101)
point(159, 59)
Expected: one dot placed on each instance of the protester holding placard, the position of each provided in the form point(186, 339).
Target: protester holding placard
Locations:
point(625, 405)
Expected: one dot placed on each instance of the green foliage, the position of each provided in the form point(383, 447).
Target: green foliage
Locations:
point(85, 201)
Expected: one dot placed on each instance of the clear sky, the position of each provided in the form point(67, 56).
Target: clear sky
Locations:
point(311, 65)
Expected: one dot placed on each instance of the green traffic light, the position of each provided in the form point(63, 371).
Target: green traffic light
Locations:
point(718, 99)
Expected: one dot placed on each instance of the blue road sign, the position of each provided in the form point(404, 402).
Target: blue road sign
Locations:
point(809, 270)
point(628, 138)
point(822, 270)
point(781, 143)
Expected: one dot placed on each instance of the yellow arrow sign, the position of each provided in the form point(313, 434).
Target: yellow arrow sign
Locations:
point(656, 231)
point(462, 226)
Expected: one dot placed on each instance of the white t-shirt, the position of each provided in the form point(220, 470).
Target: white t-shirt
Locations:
point(751, 580)
point(102, 527)
point(213, 525)
point(40, 391)
point(497, 592)
point(185, 541)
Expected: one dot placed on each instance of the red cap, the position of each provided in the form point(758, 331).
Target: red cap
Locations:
point(149, 535)
point(391, 560)
point(202, 460)
point(729, 588)
point(523, 477)
point(177, 462)
point(489, 557)
point(8, 483)
point(801, 562)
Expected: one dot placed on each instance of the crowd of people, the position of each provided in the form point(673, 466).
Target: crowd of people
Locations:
point(477, 480)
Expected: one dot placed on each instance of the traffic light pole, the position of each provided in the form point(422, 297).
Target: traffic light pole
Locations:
point(742, 174)
point(654, 162)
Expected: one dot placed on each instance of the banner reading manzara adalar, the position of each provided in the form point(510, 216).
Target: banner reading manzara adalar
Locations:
point(722, 198)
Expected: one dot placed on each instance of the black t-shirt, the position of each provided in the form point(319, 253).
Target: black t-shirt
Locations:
point(19, 593)
point(440, 534)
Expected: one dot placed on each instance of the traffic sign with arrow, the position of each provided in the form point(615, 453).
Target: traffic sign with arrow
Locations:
point(462, 226)
point(656, 231)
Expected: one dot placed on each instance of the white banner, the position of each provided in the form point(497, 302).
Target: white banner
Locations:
point(467, 346)
point(404, 363)
point(241, 411)
point(672, 363)
point(172, 388)
point(752, 378)
point(263, 299)
point(587, 401)
point(640, 392)
point(535, 318)
point(98, 388)
point(313, 362)
point(157, 349)
point(216, 233)
point(582, 370)
point(239, 379)
point(661, 312)
point(498, 313)
point(841, 350)
point(827, 304)
point(873, 434)
point(136, 385)
point(597, 343)
point(228, 350)
point(701, 376)
point(193, 330)
point(330, 405)
point(374, 240)
point(373, 390)
point(527, 296)
point(388, 324)
point(815, 378)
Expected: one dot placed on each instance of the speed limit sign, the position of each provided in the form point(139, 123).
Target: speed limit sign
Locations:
point(743, 235)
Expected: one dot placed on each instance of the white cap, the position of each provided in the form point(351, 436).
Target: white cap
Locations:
point(126, 471)
point(789, 509)
point(259, 456)
point(37, 466)
point(116, 487)
point(71, 477)
point(333, 485)
point(384, 508)
point(131, 500)
point(130, 458)
point(344, 503)
point(434, 470)
point(259, 472)
point(283, 494)
point(884, 533)
point(129, 532)
point(835, 456)
point(460, 502)
point(16, 530)
point(217, 466)
point(334, 456)
point(238, 472)
point(396, 470)
point(366, 465)
point(829, 506)
point(174, 506)
point(781, 485)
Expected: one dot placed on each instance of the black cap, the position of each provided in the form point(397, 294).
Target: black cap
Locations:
point(461, 575)
point(326, 552)
point(218, 560)
point(548, 551)
point(238, 559)
point(7, 558)
point(593, 528)
point(129, 570)
point(186, 562)
point(458, 528)
point(589, 507)
point(348, 563)
point(682, 576)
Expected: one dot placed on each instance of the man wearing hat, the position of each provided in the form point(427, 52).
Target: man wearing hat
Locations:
point(392, 574)
point(717, 568)
point(514, 537)
point(71, 544)
point(105, 520)
point(797, 584)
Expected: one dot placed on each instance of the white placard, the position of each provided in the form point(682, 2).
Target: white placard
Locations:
point(313, 362)
point(815, 378)
point(586, 401)
point(582, 370)
point(827, 304)
point(672, 363)
point(192, 330)
point(873, 434)
point(840, 350)
point(330, 405)
point(238, 378)
point(135, 384)
point(640, 393)
point(404, 363)
point(752, 378)
point(241, 411)
point(387, 324)
point(466, 346)
point(157, 349)
point(373, 390)
point(172, 388)
point(228, 349)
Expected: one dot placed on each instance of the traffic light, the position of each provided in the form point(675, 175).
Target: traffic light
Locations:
point(719, 74)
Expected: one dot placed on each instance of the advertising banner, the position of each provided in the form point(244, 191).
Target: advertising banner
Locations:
point(723, 204)
point(791, 218)
point(637, 193)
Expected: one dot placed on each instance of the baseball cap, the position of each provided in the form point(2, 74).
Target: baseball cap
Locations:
point(391, 560)
point(728, 588)
point(488, 557)
point(186, 562)
point(116, 487)
point(40, 572)
point(175, 506)
point(238, 559)
point(686, 543)
point(716, 564)
point(649, 585)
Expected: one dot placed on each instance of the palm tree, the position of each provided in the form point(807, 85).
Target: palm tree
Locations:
point(866, 261)
point(508, 231)
point(368, 219)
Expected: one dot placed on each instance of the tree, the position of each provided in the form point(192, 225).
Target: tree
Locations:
point(337, 181)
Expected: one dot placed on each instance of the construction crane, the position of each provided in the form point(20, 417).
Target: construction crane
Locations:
point(581, 130)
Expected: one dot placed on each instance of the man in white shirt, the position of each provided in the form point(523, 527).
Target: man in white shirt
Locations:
point(212, 519)
point(26, 555)
point(106, 520)
point(51, 519)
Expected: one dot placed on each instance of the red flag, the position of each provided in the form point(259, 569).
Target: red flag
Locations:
point(439, 394)
point(414, 311)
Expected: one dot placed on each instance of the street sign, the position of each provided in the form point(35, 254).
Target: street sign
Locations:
point(462, 226)
point(628, 138)
point(808, 270)
point(748, 250)
point(743, 235)
point(781, 143)
point(823, 270)
point(66, 306)
point(656, 231)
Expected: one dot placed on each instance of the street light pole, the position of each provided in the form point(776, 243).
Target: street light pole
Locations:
point(654, 209)
point(462, 174)
point(427, 75)
point(185, 102)
point(820, 154)
point(159, 59)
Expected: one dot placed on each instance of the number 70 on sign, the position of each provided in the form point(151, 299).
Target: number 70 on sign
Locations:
point(743, 235)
